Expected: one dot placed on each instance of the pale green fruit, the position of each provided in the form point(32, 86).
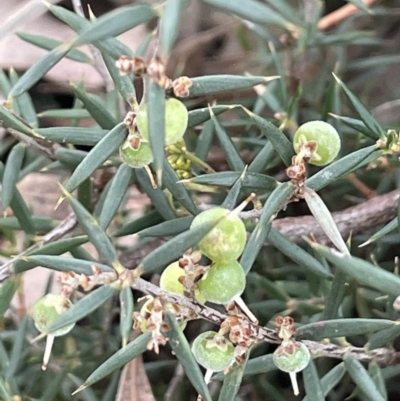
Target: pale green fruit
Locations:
point(136, 158)
point(295, 360)
point(176, 120)
point(223, 282)
point(324, 135)
point(226, 240)
point(169, 281)
point(48, 309)
point(210, 355)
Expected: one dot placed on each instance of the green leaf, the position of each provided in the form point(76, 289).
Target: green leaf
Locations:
point(53, 248)
point(234, 193)
point(340, 167)
point(383, 337)
point(123, 83)
point(392, 225)
point(170, 25)
point(151, 218)
point(99, 112)
point(228, 178)
point(356, 125)
point(95, 233)
point(114, 23)
point(297, 254)
point(168, 228)
point(275, 202)
point(335, 295)
point(341, 328)
point(262, 159)
point(362, 271)
point(60, 263)
point(156, 125)
point(221, 83)
point(83, 307)
point(376, 374)
point(7, 291)
point(181, 348)
point(73, 135)
point(278, 139)
point(116, 193)
point(11, 173)
point(119, 359)
point(233, 158)
point(9, 120)
point(173, 249)
point(126, 314)
point(260, 364)
point(363, 381)
point(38, 70)
point(65, 113)
point(25, 103)
point(199, 116)
point(232, 381)
point(97, 156)
point(312, 383)
point(49, 44)
point(5, 391)
point(70, 157)
point(17, 349)
point(330, 380)
point(177, 189)
point(364, 114)
point(253, 11)
point(157, 196)
point(41, 224)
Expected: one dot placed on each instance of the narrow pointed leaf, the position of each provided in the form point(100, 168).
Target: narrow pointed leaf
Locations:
point(11, 173)
point(127, 304)
point(178, 190)
point(148, 220)
point(7, 291)
point(364, 114)
point(17, 349)
point(253, 11)
point(341, 328)
point(325, 219)
point(115, 22)
point(362, 379)
point(233, 158)
point(123, 83)
point(41, 224)
point(60, 263)
point(118, 188)
point(228, 178)
point(95, 233)
point(73, 135)
point(99, 112)
point(9, 120)
point(5, 391)
point(392, 225)
point(356, 125)
point(97, 156)
point(182, 350)
point(262, 159)
point(231, 384)
point(312, 383)
point(383, 337)
point(222, 83)
point(231, 199)
point(65, 113)
point(335, 296)
point(296, 253)
point(338, 168)
point(375, 372)
point(38, 70)
point(168, 228)
point(54, 248)
point(157, 196)
point(275, 202)
point(175, 248)
point(362, 271)
point(156, 124)
point(260, 364)
point(119, 359)
point(330, 380)
point(83, 307)
point(278, 139)
point(170, 25)
point(199, 116)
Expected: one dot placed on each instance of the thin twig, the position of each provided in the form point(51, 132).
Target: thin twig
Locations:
point(337, 16)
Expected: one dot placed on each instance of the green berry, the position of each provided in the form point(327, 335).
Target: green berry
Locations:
point(135, 152)
point(227, 239)
point(176, 120)
point(223, 282)
point(48, 309)
point(321, 134)
point(213, 351)
point(291, 357)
